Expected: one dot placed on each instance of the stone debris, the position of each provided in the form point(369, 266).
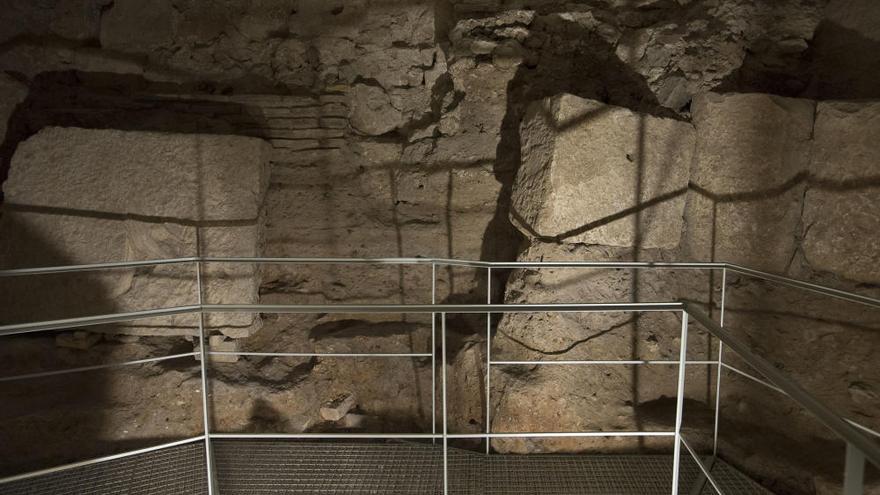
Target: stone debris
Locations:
point(354, 421)
point(222, 344)
point(336, 409)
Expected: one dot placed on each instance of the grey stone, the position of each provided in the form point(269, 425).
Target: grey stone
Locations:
point(840, 210)
point(182, 176)
point(336, 409)
point(221, 344)
point(372, 112)
point(752, 153)
point(587, 176)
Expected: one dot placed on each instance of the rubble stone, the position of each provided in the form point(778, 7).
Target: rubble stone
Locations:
point(338, 408)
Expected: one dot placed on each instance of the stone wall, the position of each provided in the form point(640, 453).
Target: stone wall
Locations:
point(394, 130)
point(779, 184)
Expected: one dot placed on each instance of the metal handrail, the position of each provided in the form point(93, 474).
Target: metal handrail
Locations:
point(846, 429)
point(791, 388)
point(772, 277)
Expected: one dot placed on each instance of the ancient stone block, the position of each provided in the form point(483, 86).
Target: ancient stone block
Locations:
point(63, 208)
point(840, 210)
point(183, 176)
point(748, 176)
point(598, 174)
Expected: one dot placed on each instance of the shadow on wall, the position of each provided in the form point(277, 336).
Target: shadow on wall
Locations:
point(60, 419)
point(576, 60)
point(54, 420)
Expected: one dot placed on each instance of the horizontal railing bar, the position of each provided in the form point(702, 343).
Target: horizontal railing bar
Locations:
point(97, 367)
point(17, 272)
point(319, 354)
point(753, 378)
point(779, 390)
point(328, 436)
point(86, 321)
point(573, 434)
point(324, 261)
point(596, 361)
point(608, 264)
point(863, 428)
point(428, 436)
point(840, 294)
point(98, 460)
point(825, 415)
point(441, 308)
point(799, 284)
point(702, 466)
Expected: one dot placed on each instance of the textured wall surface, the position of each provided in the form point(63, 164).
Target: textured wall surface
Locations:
point(394, 130)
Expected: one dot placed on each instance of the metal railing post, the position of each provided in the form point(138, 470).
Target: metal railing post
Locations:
point(488, 358)
point(433, 354)
point(445, 428)
point(679, 406)
point(203, 365)
point(854, 471)
point(720, 364)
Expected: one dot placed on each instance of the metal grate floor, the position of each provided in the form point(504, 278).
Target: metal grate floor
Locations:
point(281, 467)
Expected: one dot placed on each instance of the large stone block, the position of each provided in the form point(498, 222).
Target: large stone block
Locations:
point(89, 196)
point(48, 239)
point(182, 176)
point(840, 210)
point(597, 174)
point(748, 177)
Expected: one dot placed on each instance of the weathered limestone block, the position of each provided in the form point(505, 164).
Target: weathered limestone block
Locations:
point(840, 210)
point(598, 174)
point(752, 154)
point(65, 205)
point(181, 176)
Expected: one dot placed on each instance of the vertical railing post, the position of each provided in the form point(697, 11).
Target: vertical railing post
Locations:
point(719, 366)
point(445, 427)
point(433, 354)
point(854, 471)
point(488, 357)
point(203, 365)
point(679, 406)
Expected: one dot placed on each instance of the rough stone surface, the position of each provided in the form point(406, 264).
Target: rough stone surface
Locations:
point(748, 177)
point(172, 176)
point(597, 174)
point(83, 196)
point(840, 210)
point(337, 408)
point(395, 130)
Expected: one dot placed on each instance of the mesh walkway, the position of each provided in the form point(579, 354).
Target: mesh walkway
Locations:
point(280, 467)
